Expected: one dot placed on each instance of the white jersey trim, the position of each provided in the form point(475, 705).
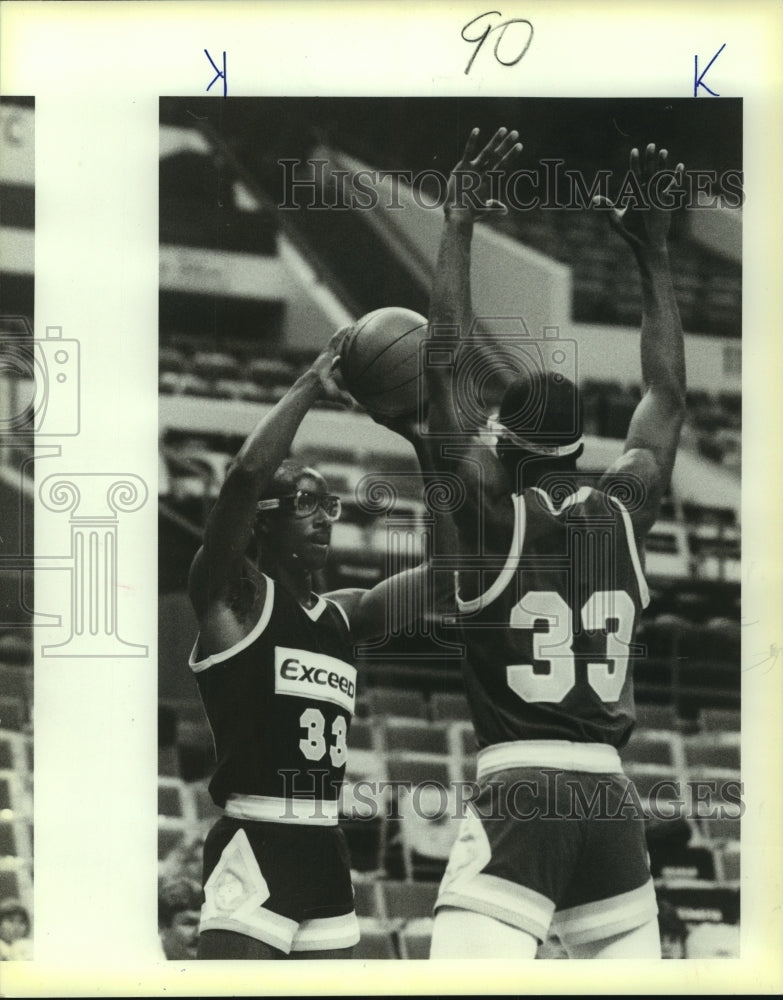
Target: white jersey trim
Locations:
point(506, 575)
point(272, 809)
point(644, 592)
point(315, 612)
point(342, 611)
point(597, 758)
point(580, 496)
point(266, 613)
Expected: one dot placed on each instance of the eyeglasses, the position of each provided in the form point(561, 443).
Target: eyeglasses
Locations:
point(303, 503)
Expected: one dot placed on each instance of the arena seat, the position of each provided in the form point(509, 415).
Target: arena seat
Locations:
point(171, 833)
point(419, 768)
point(721, 829)
point(376, 941)
point(175, 799)
point(15, 881)
point(717, 720)
point(214, 364)
point(654, 717)
point(700, 901)
point(396, 702)
point(653, 748)
point(362, 735)
point(415, 938)
point(13, 713)
point(365, 832)
point(401, 901)
point(204, 808)
point(448, 706)
point(415, 735)
point(679, 861)
point(365, 895)
point(715, 752)
point(729, 861)
point(15, 752)
point(653, 778)
point(15, 839)
point(429, 825)
point(15, 795)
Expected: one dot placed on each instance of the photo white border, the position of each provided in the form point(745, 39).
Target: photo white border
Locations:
point(96, 71)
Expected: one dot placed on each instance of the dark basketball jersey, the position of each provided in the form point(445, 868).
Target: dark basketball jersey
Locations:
point(280, 703)
point(549, 642)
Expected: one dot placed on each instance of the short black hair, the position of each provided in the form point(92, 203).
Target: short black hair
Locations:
point(544, 408)
point(285, 479)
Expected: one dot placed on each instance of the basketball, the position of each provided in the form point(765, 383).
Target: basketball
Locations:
point(379, 360)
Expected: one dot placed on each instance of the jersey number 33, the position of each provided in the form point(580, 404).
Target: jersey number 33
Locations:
point(555, 646)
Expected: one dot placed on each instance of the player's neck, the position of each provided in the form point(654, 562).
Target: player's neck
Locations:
point(298, 581)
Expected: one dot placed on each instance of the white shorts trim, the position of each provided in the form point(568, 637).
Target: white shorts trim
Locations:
point(270, 809)
point(597, 758)
point(268, 927)
point(606, 917)
point(513, 904)
point(327, 932)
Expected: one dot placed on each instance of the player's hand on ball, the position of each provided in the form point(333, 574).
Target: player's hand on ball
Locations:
point(647, 226)
point(327, 367)
point(469, 189)
point(406, 425)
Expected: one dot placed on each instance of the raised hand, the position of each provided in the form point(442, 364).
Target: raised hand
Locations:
point(327, 367)
point(469, 188)
point(646, 226)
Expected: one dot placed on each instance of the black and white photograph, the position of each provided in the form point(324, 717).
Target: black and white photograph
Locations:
point(388, 566)
point(380, 320)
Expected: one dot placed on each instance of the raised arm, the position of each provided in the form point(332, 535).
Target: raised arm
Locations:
point(229, 529)
point(654, 431)
point(451, 312)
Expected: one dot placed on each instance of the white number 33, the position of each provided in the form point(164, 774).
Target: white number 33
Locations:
point(555, 645)
point(313, 744)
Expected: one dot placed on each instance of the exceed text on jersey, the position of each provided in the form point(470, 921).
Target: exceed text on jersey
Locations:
point(305, 674)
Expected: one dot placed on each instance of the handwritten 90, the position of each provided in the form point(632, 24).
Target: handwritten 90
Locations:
point(519, 37)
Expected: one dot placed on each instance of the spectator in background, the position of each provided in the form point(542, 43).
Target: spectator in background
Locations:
point(179, 908)
point(15, 943)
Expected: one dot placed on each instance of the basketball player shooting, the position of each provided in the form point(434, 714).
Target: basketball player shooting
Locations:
point(548, 618)
point(274, 664)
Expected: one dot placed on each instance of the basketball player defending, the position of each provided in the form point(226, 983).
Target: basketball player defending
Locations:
point(548, 596)
point(274, 666)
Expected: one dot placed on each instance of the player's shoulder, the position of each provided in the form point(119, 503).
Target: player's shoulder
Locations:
point(345, 601)
point(240, 597)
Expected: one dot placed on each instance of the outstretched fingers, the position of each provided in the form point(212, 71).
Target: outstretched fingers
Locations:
point(489, 151)
point(471, 146)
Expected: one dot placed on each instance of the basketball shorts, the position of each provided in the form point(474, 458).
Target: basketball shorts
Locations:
point(543, 847)
point(286, 884)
